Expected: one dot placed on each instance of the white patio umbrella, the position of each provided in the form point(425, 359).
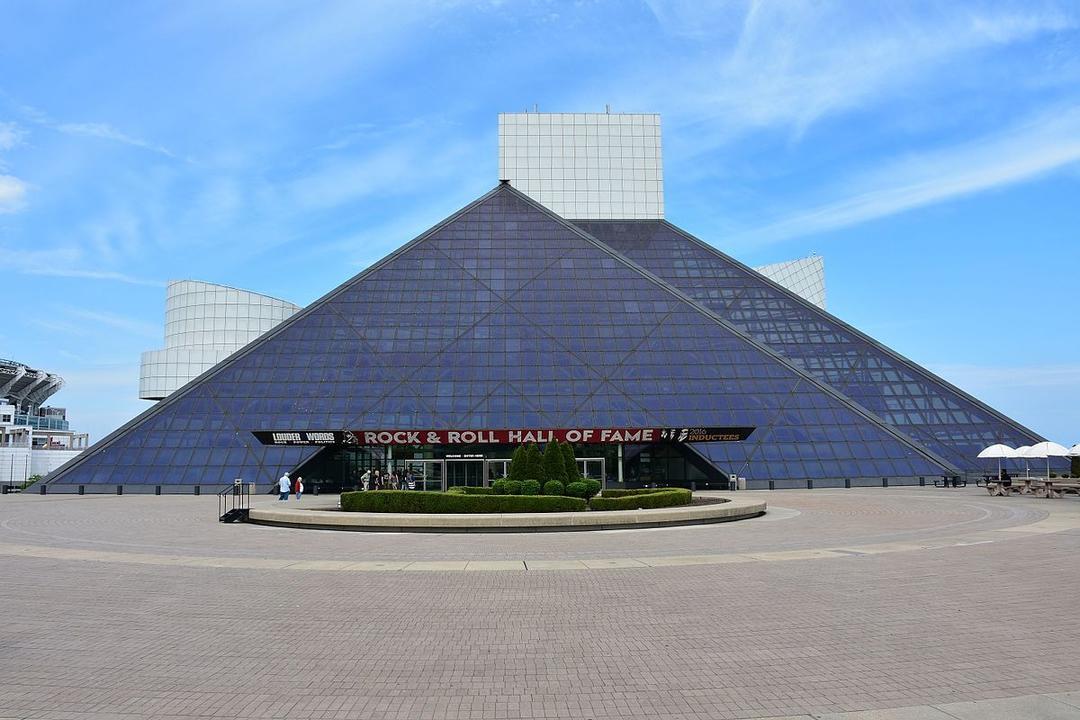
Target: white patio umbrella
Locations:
point(1021, 452)
point(1047, 450)
point(997, 451)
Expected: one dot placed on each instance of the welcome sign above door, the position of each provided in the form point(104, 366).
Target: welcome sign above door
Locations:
point(514, 436)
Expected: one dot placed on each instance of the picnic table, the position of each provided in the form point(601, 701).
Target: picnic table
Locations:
point(1057, 488)
point(1037, 486)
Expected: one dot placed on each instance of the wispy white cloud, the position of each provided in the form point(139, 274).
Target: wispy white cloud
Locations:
point(393, 169)
point(12, 189)
point(795, 62)
point(1040, 145)
point(99, 130)
point(12, 194)
point(1038, 376)
point(128, 325)
point(105, 131)
point(10, 135)
point(111, 376)
point(66, 261)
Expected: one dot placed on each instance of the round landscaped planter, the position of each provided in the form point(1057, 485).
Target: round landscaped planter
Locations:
point(329, 518)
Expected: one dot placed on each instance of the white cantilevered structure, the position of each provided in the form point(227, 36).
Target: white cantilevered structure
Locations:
point(204, 324)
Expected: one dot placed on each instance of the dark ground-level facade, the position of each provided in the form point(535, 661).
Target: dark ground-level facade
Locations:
point(506, 315)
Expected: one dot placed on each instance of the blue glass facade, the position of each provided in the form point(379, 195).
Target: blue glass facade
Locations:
point(505, 315)
point(927, 409)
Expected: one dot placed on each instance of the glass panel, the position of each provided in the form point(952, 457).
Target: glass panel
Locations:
point(815, 341)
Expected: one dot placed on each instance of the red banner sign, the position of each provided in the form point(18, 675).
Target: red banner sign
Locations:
point(517, 436)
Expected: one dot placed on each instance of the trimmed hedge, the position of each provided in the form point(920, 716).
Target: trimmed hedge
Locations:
point(530, 487)
point(661, 498)
point(626, 493)
point(513, 487)
point(468, 490)
point(554, 487)
point(577, 489)
point(410, 501)
point(592, 487)
point(499, 486)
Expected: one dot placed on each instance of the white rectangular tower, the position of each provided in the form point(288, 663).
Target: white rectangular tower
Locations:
point(595, 166)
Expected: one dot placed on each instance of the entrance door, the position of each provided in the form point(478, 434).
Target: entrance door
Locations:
point(592, 468)
point(424, 474)
point(465, 472)
point(497, 468)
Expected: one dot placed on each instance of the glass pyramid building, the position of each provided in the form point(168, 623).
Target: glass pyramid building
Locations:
point(507, 315)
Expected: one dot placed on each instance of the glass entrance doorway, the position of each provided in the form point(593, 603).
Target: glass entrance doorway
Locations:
point(497, 468)
point(424, 474)
point(464, 472)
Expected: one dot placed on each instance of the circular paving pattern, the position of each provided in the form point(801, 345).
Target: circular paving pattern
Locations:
point(836, 600)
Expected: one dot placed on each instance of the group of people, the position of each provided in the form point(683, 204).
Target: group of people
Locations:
point(287, 485)
point(378, 480)
point(374, 479)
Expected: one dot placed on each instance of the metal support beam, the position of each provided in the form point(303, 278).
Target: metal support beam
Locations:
point(620, 465)
point(19, 373)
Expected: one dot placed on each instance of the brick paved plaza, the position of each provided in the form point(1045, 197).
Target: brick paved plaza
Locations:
point(835, 602)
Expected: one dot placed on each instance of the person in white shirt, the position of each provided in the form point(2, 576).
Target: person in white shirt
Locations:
point(299, 486)
point(284, 486)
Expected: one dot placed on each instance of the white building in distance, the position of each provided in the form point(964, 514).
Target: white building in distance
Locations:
point(804, 277)
point(609, 166)
point(204, 324)
point(601, 166)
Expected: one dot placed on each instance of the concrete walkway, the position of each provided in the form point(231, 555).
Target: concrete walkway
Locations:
point(1061, 706)
point(872, 603)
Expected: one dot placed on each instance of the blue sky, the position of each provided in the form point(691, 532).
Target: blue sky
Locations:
point(929, 151)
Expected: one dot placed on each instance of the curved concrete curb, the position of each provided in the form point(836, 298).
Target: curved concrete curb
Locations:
point(734, 508)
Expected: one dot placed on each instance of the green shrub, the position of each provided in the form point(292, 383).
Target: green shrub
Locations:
point(1053, 475)
point(530, 487)
point(570, 463)
point(406, 501)
point(534, 463)
point(554, 487)
point(514, 487)
point(518, 464)
point(554, 467)
point(660, 498)
point(468, 490)
point(499, 486)
point(577, 489)
point(592, 487)
point(626, 493)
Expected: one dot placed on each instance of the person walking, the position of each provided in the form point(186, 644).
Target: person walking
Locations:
point(365, 479)
point(298, 486)
point(377, 480)
point(284, 486)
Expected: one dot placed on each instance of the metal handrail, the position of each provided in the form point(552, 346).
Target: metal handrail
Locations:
point(233, 497)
